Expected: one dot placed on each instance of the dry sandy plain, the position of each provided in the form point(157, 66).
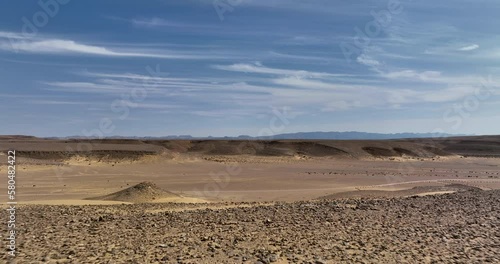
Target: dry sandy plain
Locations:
point(180, 201)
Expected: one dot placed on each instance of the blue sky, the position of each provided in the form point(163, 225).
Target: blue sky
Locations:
point(231, 67)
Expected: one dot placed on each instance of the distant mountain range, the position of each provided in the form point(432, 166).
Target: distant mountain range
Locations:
point(356, 135)
point(305, 135)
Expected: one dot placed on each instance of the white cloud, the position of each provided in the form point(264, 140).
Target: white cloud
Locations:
point(469, 48)
point(58, 102)
point(304, 57)
point(341, 106)
point(337, 96)
point(153, 22)
point(445, 95)
point(309, 84)
point(12, 35)
point(367, 60)
point(154, 105)
point(321, 94)
point(412, 75)
point(259, 68)
point(59, 46)
point(437, 78)
point(86, 87)
point(20, 43)
point(159, 22)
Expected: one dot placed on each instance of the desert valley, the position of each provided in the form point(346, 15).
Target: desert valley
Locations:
point(256, 201)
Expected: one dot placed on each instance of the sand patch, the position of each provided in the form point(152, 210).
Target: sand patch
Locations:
point(415, 191)
point(72, 202)
point(434, 193)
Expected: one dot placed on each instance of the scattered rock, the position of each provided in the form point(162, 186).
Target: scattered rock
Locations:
point(453, 228)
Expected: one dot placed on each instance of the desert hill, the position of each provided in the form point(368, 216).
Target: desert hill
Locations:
point(140, 193)
point(110, 150)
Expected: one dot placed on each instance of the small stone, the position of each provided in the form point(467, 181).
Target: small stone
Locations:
point(273, 258)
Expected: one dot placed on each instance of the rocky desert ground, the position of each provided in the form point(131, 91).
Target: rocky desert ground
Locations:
point(282, 201)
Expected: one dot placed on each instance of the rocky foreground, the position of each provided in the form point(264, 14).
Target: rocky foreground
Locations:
point(451, 228)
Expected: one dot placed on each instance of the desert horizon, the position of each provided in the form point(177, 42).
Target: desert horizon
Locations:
point(223, 170)
point(249, 132)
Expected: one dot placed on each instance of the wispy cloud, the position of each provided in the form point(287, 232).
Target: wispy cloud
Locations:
point(412, 75)
point(469, 48)
point(203, 96)
point(367, 60)
point(259, 68)
point(16, 42)
point(336, 96)
point(58, 46)
point(160, 22)
point(58, 102)
point(12, 35)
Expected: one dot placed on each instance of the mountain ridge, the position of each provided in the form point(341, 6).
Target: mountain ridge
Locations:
point(316, 135)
